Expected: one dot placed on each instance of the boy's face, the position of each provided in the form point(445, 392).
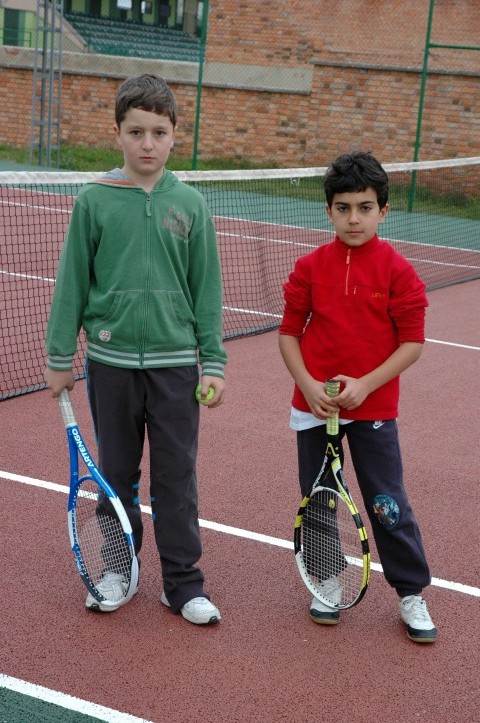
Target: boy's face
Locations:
point(146, 140)
point(356, 216)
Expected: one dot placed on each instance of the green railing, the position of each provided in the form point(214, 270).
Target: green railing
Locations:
point(428, 46)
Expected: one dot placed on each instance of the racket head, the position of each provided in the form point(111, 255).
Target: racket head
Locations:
point(102, 542)
point(331, 548)
point(100, 532)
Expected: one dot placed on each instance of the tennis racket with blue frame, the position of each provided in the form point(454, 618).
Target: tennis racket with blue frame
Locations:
point(330, 540)
point(100, 532)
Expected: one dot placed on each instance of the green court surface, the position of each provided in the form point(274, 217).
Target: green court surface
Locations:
point(18, 708)
point(24, 702)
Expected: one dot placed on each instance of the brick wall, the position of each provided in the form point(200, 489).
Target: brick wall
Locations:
point(377, 110)
point(290, 32)
point(347, 109)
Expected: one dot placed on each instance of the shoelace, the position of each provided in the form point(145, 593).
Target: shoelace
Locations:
point(419, 609)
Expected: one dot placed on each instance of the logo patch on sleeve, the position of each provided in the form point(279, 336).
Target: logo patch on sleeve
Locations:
point(386, 510)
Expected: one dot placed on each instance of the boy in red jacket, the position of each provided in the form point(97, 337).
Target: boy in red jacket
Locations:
point(355, 312)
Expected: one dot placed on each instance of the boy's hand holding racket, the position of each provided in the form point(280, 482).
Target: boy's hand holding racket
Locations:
point(57, 381)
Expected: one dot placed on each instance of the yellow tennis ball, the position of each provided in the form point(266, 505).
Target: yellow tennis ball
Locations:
point(208, 398)
point(331, 504)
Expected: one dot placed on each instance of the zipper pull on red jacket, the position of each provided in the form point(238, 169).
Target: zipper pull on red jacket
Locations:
point(347, 261)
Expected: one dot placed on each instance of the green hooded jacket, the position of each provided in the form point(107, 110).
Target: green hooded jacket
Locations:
point(140, 272)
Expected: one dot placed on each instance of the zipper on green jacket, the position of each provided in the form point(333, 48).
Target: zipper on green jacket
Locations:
point(148, 234)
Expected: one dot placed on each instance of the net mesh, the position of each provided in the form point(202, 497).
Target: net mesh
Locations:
point(265, 220)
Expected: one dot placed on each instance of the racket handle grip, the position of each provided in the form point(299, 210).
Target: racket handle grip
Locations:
point(66, 408)
point(332, 388)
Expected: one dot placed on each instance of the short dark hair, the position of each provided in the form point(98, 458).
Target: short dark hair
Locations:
point(354, 172)
point(148, 92)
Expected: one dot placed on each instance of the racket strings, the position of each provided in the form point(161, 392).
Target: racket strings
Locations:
point(104, 547)
point(331, 548)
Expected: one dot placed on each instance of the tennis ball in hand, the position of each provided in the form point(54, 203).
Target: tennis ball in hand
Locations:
point(208, 398)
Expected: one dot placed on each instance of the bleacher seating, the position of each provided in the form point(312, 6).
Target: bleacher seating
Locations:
point(132, 39)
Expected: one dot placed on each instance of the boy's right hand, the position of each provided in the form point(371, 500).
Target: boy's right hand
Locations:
point(58, 381)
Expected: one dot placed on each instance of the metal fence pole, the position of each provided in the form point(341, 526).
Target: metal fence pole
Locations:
point(411, 194)
point(428, 45)
point(203, 42)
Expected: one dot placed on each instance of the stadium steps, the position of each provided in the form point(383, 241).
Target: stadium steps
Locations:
point(132, 39)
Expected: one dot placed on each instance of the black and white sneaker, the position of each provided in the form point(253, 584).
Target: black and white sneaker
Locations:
point(327, 614)
point(415, 615)
point(199, 610)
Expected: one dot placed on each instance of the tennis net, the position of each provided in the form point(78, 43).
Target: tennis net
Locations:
point(265, 220)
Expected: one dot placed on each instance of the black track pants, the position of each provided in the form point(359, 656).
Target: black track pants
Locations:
point(125, 403)
point(376, 457)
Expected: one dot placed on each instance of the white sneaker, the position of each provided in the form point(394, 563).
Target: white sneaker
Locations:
point(113, 586)
point(415, 615)
point(199, 610)
point(326, 614)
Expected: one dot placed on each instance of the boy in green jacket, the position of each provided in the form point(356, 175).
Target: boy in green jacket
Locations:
point(140, 273)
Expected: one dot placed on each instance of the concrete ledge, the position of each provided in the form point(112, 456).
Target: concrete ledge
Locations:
point(219, 75)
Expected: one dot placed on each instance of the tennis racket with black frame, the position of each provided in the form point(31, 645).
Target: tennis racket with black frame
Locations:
point(100, 532)
point(330, 540)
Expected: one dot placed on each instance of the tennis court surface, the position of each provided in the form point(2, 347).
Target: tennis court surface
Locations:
point(265, 661)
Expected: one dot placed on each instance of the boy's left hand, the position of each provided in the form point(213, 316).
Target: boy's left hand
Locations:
point(218, 385)
point(353, 393)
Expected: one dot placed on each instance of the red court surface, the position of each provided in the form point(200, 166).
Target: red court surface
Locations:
point(266, 661)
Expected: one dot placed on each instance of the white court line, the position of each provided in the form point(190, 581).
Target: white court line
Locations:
point(67, 702)
point(254, 312)
point(327, 232)
point(239, 310)
point(19, 275)
point(236, 531)
point(452, 343)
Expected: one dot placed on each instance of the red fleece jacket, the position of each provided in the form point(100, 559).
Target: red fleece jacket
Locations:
point(351, 308)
